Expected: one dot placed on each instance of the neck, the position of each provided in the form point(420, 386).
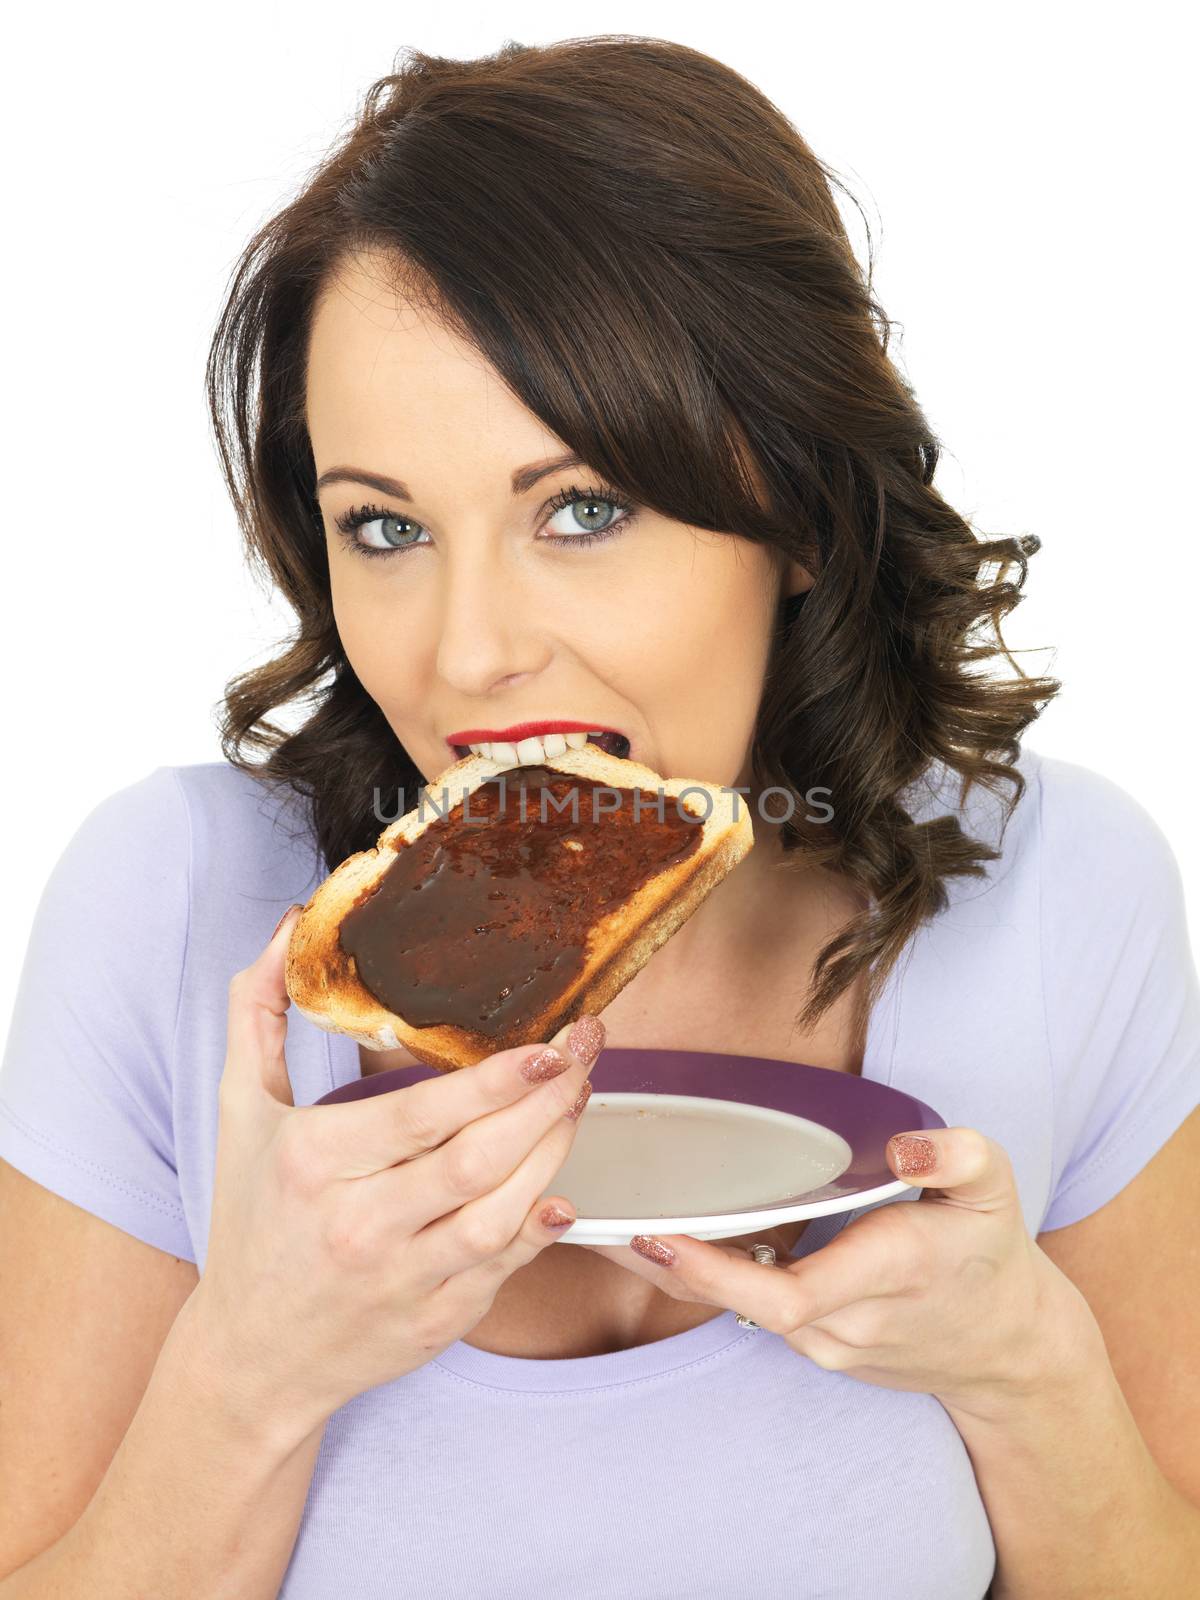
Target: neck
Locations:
point(771, 900)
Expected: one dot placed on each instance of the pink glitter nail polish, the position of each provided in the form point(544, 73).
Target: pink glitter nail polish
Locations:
point(543, 1066)
point(653, 1249)
point(581, 1100)
point(586, 1040)
point(915, 1155)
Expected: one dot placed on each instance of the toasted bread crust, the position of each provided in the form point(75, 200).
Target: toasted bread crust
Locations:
point(324, 986)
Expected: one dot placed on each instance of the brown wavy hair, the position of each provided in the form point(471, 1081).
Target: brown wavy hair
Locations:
point(651, 256)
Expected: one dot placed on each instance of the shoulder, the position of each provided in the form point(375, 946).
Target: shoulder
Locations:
point(1121, 1002)
point(129, 851)
point(235, 821)
point(1083, 895)
point(212, 793)
point(1072, 832)
point(1121, 995)
point(251, 853)
point(231, 801)
point(1088, 820)
point(210, 806)
point(185, 848)
point(1107, 872)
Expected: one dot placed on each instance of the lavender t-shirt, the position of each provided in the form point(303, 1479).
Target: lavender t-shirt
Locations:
point(1054, 1005)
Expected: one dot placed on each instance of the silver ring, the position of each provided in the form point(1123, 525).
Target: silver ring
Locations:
point(765, 1256)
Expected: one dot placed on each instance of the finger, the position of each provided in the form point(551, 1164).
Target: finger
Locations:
point(369, 1138)
point(256, 1024)
point(487, 1239)
point(870, 1259)
point(481, 1156)
point(966, 1166)
point(628, 1258)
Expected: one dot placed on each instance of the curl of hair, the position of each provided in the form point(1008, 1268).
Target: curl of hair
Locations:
point(650, 255)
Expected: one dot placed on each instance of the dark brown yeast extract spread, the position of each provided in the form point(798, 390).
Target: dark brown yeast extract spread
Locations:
point(483, 920)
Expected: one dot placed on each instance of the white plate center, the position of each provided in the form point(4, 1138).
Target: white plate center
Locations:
point(667, 1155)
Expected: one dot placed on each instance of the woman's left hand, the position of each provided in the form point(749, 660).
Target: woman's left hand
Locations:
point(948, 1295)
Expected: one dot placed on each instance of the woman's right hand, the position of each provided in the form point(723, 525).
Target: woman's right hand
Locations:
point(351, 1243)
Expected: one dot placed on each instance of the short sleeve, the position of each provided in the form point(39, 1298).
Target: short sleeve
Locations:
point(86, 1080)
point(1120, 985)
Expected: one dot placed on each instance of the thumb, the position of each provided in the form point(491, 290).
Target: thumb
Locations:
point(968, 1168)
point(257, 1021)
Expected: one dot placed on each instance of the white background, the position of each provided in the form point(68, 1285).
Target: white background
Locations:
point(1027, 172)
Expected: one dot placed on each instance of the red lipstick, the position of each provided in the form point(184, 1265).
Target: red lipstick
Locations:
point(522, 730)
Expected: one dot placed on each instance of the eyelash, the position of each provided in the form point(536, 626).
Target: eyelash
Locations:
point(356, 516)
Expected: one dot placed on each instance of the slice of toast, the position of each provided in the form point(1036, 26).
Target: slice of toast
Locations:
point(324, 983)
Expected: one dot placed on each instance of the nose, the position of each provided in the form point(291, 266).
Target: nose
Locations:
point(489, 634)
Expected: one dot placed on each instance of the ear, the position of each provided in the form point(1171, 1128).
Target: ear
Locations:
point(796, 580)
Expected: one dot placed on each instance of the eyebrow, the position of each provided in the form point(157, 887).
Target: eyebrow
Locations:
point(522, 480)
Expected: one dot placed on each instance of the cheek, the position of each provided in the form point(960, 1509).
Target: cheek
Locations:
point(720, 673)
point(687, 643)
point(365, 617)
point(714, 634)
point(352, 614)
point(676, 600)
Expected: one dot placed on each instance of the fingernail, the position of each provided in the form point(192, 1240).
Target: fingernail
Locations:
point(284, 917)
point(581, 1099)
point(553, 1216)
point(653, 1249)
point(914, 1154)
point(586, 1039)
point(543, 1066)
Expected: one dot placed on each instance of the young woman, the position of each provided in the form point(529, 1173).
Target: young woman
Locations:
point(557, 394)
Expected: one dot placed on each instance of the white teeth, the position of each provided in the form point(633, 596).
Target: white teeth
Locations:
point(528, 752)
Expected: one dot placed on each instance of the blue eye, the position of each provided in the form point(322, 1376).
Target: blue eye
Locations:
point(362, 517)
point(588, 498)
point(394, 541)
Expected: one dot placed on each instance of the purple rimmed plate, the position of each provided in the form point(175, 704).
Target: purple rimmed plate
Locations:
point(714, 1145)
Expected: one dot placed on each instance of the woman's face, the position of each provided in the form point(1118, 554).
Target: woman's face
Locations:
point(487, 607)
